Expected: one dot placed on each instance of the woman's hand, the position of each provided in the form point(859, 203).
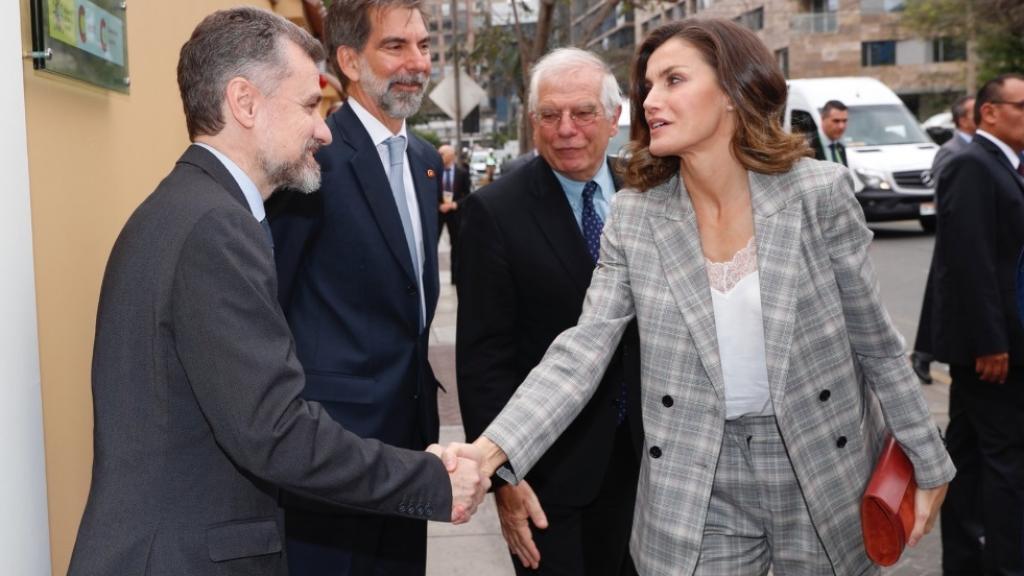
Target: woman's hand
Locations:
point(926, 507)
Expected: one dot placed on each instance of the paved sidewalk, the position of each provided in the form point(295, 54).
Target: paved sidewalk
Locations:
point(478, 549)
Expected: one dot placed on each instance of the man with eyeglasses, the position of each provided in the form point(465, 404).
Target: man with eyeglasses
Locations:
point(529, 244)
point(976, 330)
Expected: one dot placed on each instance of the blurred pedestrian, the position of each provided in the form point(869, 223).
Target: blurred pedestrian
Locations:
point(963, 117)
point(455, 187)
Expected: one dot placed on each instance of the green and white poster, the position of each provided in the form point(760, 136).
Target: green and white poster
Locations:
point(85, 39)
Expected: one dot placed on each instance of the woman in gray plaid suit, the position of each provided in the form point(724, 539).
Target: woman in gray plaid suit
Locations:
point(770, 370)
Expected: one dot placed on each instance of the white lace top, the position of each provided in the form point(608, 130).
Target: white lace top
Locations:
point(736, 296)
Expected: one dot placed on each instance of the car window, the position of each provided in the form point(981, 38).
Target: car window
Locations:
point(881, 125)
point(801, 122)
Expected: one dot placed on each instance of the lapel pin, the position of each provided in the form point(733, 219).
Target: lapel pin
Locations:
point(430, 172)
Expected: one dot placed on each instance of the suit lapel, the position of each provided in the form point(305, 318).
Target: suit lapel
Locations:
point(777, 230)
point(374, 185)
point(558, 224)
point(678, 243)
point(427, 182)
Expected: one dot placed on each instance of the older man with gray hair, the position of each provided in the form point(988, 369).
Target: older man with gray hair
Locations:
point(199, 422)
point(529, 246)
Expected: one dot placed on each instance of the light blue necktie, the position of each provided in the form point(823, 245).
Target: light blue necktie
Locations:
point(396, 155)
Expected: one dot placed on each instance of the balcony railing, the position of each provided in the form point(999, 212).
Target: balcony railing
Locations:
point(814, 23)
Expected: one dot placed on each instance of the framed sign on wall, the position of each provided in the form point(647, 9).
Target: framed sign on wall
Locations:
point(82, 39)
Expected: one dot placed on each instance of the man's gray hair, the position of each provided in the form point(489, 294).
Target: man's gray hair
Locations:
point(240, 42)
point(562, 61)
point(348, 24)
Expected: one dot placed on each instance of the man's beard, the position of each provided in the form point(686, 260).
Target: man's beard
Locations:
point(394, 103)
point(302, 174)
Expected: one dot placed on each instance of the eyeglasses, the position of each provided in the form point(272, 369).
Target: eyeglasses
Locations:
point(579, 117)
point(1019, 105)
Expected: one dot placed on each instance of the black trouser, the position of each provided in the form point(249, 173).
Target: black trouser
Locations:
point(986, 441)
point(923, 340)
point(592, 540)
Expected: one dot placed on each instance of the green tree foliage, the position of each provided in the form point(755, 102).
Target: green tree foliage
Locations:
point(995, 27)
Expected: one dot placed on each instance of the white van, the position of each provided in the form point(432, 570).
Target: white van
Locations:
point(887, 151)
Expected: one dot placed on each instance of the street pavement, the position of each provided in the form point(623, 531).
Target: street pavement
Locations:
point(900, 253)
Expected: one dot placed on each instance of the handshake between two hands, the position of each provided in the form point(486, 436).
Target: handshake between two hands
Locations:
point(470, 474)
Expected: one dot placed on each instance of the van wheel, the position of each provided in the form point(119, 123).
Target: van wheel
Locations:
point(928, 223)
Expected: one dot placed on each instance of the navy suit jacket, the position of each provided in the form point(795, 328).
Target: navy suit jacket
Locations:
point(349, 291)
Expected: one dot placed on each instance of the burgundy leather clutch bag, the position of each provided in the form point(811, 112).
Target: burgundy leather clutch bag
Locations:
point(887, 509)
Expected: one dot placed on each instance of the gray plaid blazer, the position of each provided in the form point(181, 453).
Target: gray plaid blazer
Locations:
point(836, 365)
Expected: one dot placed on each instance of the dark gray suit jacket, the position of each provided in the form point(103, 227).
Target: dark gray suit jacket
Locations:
point(196, 389)
point(952, 146)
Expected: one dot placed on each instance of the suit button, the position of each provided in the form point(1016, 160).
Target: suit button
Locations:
point(655, 452)
point(841, 442)
point(429, 510)
point(410, 289)
point(825, 395)
point(667, 401)
point(419, 511)
point(403, 509)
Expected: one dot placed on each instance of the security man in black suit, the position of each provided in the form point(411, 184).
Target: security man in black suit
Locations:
point(976, 330)
point(834, 117)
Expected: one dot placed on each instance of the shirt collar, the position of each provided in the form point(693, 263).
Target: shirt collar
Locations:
point(964, 136)
point(249, 189)
point(575, 187)
point(377, 130)
point(1010, 154)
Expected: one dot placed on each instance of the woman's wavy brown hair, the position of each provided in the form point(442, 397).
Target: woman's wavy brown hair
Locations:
point(749, 76)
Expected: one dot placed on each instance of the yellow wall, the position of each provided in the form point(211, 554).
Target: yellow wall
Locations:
point(93, 156)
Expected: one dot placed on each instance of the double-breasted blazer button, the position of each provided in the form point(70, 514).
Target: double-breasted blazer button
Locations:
point(667, 401)
point(655, 452)
point(825, 395)
point(841, 442)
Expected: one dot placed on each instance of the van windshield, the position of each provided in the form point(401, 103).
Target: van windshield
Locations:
point(881, 125)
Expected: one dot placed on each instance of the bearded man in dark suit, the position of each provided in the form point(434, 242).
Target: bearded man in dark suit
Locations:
point(359, 276)
point(196, 387)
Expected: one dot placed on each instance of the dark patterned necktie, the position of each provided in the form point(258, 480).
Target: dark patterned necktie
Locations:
point(270, 236)
point(592, 226)
point(1020, 166)
point(591, 222)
